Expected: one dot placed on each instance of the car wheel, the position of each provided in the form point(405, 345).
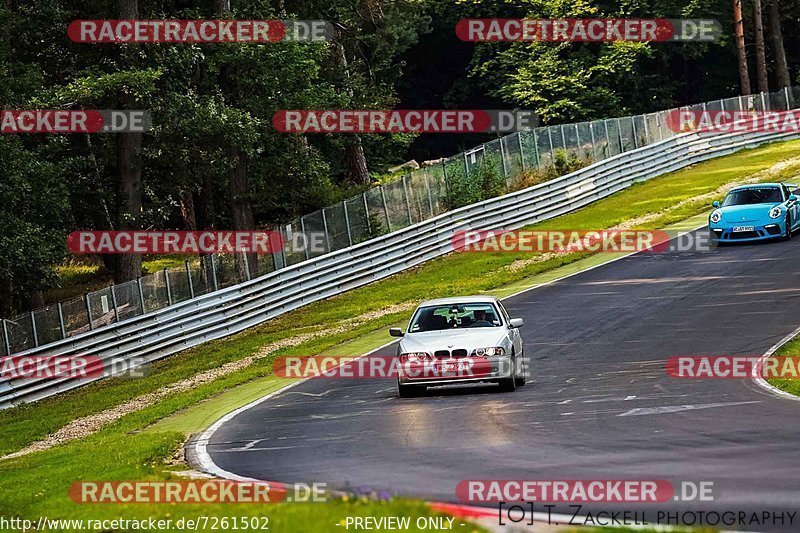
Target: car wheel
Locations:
point(509, 384)
point(787, 235)
point(410, 391)
point(521, 380)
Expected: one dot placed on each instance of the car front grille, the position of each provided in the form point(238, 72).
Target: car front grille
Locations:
point(743, 235)
point(446, 354)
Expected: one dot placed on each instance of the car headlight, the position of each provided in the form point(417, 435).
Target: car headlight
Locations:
point(716, 216)
point(775, 212)
point(494, 350)
point(414, 357)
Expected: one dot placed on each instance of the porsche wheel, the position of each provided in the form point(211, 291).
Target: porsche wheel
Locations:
point(787, 235)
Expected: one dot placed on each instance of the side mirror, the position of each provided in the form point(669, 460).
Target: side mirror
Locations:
point(715, 203)
point(516, 322)
point(792, 198)
point(396, 332)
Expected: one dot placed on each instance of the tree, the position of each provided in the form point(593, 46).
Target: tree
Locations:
point(738, 25)
point(781, 66)
point(129, 169)
point(34, 209)
point(761, 59)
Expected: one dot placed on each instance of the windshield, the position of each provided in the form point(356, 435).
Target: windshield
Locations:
point(459, 316)
point(755, 195)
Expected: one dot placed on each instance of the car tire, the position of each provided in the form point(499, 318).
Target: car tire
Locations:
point(410, 391)
point(787, 235)
point(509, 384)
point(520, 380)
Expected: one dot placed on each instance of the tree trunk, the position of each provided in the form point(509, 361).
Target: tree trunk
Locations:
point(221, 6)
point(187, 210)
point(208, 213)
point(781, 66)
point(241, 209)
point(761, 58)
point(354, 160)
point(129, 168)
point(355, 163)
point(738, 26)
point(129, 173)
point(6, 298)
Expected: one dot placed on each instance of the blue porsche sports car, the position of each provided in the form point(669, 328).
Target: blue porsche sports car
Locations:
point(756, 212)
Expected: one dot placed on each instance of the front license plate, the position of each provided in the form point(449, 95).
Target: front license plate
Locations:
point(738, 229)
point(455, 367)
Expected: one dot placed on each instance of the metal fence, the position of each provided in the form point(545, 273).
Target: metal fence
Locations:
point(421, 195)
point(221, 313)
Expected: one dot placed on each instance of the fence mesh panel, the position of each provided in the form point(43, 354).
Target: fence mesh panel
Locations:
point(396, 205)
point(357, 219)
point(48, 325)
point(102, 307)
point(418, 193)
point(467, 177)
point(179, 285)
point(76, 318)
point(227, 271)
point(337, 226)
point(20, 333)
point(129, 303)
point(154, 290)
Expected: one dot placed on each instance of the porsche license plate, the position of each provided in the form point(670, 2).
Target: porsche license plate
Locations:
point(737, 229)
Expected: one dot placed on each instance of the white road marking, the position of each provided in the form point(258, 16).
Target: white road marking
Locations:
point(677, 408)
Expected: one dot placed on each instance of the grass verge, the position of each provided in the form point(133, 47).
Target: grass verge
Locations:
point(141, 444)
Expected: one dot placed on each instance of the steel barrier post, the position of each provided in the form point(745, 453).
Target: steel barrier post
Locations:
point(408, 201)
point(366, 213)
point(6, 338)
point(89, 311)
point(61, 321)
point(347, 224)
point(141, 293)
point(114, 302)
point(169, 289)
point(214, 271)
point(34, 333)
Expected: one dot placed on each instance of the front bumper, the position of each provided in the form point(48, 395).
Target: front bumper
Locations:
point(760, 232)
point(447, 371)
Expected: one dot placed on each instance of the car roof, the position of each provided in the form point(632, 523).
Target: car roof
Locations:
point(459, 300)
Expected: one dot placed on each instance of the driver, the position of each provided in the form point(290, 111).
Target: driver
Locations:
point(481, 320)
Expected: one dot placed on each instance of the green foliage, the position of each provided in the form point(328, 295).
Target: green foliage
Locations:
point(484, 182)
point(33, 212)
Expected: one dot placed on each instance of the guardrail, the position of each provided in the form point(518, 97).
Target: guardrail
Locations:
point(221, 313)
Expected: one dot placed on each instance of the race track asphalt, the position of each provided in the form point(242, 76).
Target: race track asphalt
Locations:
point(599, 406)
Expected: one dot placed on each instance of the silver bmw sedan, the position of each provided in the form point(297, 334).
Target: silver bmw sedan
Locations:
point(460, 340)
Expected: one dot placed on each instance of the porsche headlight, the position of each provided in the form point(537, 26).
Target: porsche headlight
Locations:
point(775, 212)
point(493, 351)
point(716, 216)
